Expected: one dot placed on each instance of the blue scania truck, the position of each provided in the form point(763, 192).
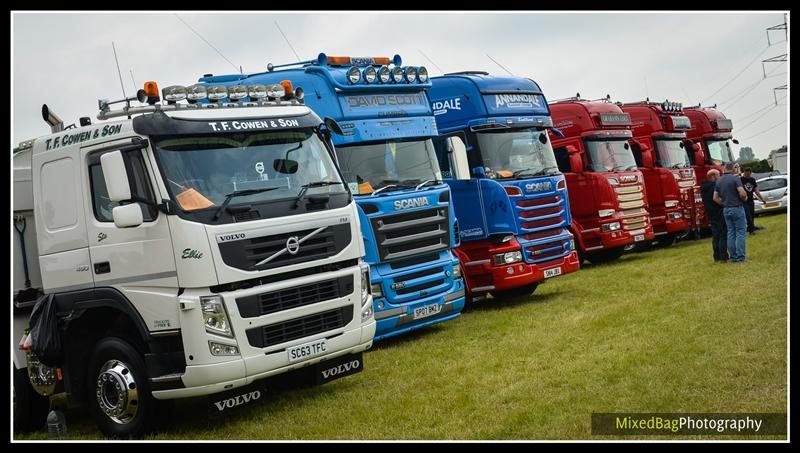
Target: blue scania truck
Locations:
point(510, 198)
point(386, 155)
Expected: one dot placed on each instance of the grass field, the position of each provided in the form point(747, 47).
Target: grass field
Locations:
point(659, 331)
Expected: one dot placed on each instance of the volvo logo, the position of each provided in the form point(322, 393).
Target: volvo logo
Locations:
point(230, 403)
point(538, 186)
point(340, 369)
point(293, 245)
point(410, 203)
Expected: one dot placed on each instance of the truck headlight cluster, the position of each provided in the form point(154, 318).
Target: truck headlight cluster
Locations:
point(675, 215)
point(222, 349)
point(670, 203)
point(613, 226)
point(605, 212)
point(366, 306)
point(215, 318)
point(457, 271)
point(507, 258)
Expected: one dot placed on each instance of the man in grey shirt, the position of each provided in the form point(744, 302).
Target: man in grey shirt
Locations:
point(729, 193)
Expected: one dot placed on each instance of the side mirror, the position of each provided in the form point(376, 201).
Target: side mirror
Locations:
point(333, 125)
point(116, 176)
point(557, 132)
point(457, 153)
point(699, 158)
point(575, 161)
point(479, 172)
point(126, 216)
point(285, 166)
point(735, 141)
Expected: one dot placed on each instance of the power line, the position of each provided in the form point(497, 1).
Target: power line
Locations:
point(206, 41)
point(757, 118)
point(738, 73)
point(759, 110)
point(747, 90)
point(765, 130)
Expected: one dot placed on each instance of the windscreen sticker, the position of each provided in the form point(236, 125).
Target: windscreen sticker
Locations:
point(517, 100)
point(277, 123)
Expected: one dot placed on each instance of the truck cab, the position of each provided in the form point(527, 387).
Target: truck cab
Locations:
point(659, 141)
point(607, 196)
point(182, 250)
point(708, 145)
point(387, 159)
point(510, 198)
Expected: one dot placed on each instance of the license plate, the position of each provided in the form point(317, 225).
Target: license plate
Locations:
point(772, 204)
point(552, 272)
point(428, 310)
point(638, 237)
point(306, 351)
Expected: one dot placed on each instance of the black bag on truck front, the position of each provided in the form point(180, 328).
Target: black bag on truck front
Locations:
point(45, 336)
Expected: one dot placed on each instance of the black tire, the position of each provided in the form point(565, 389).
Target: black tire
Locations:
point(30, 408)
point(604, 256)
point(522, 291)
point(114, 361)
point(663, 241)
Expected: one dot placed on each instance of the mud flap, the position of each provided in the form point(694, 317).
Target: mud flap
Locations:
point(339, 367)
point(225, 403)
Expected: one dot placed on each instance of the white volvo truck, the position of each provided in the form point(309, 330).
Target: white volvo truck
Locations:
point(188, 250)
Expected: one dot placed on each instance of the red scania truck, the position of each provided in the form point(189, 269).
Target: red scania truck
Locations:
point(659, 134)
point(708, 145)
point(606, 189)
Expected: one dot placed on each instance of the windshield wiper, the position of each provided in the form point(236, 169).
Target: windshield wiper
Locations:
point(391, 186)
point(426, 182)
point(305, 187)
point(544, 171)
point(239, 193)
point(519, 173)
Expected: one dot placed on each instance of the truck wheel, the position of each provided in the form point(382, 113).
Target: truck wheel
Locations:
point(30, 408)
point(119, 393)
point(605, 256)
point(663, 241)
point(522, 291)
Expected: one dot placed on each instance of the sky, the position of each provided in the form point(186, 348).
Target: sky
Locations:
point(66, 60)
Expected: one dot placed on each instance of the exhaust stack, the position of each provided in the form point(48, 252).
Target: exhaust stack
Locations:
point(56, 124)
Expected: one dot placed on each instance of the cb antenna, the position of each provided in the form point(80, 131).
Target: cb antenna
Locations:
point(428, 58)
point(118, 71)
point(287, 41)
point(498, 64)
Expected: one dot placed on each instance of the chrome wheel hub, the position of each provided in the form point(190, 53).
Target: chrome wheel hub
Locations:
point(117, 392)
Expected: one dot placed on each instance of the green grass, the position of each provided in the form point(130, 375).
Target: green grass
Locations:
point(660, 331)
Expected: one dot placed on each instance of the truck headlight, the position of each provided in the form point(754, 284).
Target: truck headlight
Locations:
point(605, 212)
point(675, 215)
point(507, 258)
point(613, 226)
point(670, 203)
point(376, 290)
point(215, 317)
point(457, 271)
point(365, 286)
point(572, 244)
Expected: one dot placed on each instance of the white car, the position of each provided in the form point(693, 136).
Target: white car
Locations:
point(775, 190)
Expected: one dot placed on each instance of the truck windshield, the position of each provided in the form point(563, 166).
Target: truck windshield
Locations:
point(368, 167)
point(517, 153)
point(670, 154)
point(202, 170)
point(719, 151)
point(610, 155)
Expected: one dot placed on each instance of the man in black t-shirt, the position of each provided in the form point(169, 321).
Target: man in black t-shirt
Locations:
point(719, 232)
point(751, 187)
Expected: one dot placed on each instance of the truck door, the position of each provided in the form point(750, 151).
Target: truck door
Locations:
point(136, 261)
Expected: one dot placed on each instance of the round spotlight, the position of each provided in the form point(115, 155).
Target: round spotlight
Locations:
point(370, 74)
point(422, 74)
point(411, 74)
point(196, 92)
point(217, 92)
point(174, 93)
point(257, 91)
point(397, 74)
point(237, 92)
point(353, 75)
point(384, 74)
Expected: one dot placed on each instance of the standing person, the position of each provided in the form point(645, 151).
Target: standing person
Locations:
point(719, 233)
point(751, 187)
point(729, 193)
